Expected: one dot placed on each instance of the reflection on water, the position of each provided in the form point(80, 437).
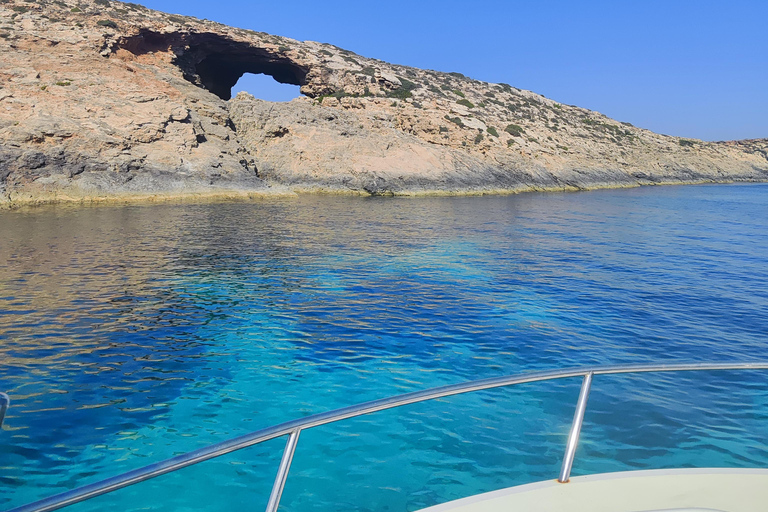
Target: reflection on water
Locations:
point(130, 334)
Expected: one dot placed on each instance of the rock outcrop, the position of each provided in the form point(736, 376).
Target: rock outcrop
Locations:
point(103, 99)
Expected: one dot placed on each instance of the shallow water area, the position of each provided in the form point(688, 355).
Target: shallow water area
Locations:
point(131, 334)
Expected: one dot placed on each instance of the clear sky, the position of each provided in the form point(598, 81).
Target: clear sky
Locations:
point(689, 68)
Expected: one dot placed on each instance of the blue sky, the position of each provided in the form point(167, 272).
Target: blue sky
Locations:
point(688, 68)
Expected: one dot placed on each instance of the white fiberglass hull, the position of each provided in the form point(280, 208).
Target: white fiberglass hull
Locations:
point(668, 490)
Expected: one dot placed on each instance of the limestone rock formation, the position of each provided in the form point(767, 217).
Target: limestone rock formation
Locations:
point(103, 99)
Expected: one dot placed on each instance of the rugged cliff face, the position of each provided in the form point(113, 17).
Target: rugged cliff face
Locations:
point(103, 99)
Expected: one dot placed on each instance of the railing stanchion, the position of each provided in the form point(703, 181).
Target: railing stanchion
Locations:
point(573, 437)
point(282, 471)
point(4, 403)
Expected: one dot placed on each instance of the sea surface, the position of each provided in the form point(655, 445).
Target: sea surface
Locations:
point(134, 333)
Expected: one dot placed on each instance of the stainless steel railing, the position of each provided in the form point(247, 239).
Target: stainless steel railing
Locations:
point(293, 429)
point(4, 403)
point(573, 436)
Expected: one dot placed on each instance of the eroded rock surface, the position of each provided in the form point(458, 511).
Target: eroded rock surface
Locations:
point(103, 99)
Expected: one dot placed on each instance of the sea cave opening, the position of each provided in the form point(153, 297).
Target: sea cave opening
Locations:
point(265, 88)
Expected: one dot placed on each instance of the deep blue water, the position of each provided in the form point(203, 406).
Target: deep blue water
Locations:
point(130, 334)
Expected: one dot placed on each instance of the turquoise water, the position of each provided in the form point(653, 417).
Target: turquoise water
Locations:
point(131, 334)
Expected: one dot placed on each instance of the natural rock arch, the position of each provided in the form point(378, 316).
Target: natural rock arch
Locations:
point(219, 72)
point(216, 62)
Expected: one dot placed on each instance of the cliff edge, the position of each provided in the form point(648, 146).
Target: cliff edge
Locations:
point(104, 100)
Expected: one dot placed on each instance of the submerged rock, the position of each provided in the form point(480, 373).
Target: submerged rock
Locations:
point(105, 100)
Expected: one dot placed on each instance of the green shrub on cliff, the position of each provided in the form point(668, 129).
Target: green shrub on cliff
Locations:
point(338, 95)
point(404, 91)
point(466, 103)
point(455, 120)
point(106, 23)
point(176, 19)
point(492, 131)
point(514, 130)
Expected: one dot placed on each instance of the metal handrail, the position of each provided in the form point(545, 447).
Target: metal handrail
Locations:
point(294, 427)
point(5, 402)
point(573, 436)
point(282, 471)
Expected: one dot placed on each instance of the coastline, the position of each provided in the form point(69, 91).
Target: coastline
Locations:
point(30, 201)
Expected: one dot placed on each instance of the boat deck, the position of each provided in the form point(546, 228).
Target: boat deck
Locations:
point(669, 490)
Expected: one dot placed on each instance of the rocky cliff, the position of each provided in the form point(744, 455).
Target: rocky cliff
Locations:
point(104, 99)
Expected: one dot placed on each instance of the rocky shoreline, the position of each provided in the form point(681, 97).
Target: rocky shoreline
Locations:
point(110, 101)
